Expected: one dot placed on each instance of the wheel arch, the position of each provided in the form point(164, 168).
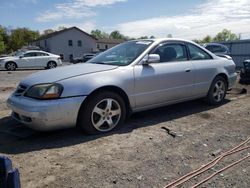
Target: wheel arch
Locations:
point(110, 88)
point(223, 75)
point(11, 61)
point(52, 61)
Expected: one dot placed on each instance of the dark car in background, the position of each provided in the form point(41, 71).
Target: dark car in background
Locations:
point(245, 72)
point(83, 59)
point(218, 49)
point(87, 57)
point(76, 60)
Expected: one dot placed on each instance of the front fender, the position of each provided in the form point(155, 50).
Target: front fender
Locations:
point(84, 85)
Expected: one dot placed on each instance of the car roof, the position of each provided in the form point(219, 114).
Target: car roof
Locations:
point(159, 40)
point(28, 51)
point(164, 39)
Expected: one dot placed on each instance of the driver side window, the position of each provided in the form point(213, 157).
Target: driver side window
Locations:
point(32, 54)
point(171, 52)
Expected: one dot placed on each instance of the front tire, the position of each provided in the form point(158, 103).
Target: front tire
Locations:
point(217, 91)
point(10, 66)
point(51, 65)
point(103, 112)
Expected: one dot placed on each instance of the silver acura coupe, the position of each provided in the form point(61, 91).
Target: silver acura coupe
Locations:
point(138, 75)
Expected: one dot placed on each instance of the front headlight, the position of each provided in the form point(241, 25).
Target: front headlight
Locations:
point(45, 91)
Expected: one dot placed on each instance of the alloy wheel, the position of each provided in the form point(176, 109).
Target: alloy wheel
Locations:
point(51, 65)
point(219, 91)
point(11, 66)
point(106, 115)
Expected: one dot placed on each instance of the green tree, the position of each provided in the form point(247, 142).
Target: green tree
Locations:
point(4, 40)
point(96, 33)
point(207, 39)
point(61, 28)
point(48, 31)
point(22, 36)
point(99, 34)
point(116, 35)
point(225, 35)
point(2, 43)
point(143, 37)
point(105, 35)
point(196, 41)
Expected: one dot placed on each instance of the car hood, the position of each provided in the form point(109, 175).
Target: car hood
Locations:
point(8, 58)
point(62, 73)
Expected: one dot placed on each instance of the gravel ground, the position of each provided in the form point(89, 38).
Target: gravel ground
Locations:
point(141, 154)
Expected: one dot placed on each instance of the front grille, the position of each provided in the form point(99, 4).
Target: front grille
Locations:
point(20, 90)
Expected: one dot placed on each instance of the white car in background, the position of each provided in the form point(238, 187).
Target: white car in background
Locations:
point(30, 59)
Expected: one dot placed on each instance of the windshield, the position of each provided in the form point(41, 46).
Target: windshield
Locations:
point(122, 54)
point(19, 53)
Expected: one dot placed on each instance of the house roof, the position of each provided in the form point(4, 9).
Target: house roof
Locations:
point(110, 41)
point(44, 37)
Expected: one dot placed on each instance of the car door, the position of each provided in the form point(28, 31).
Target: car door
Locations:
point(27, 60)
point(205, 69)
point(42, 59)
point(169, 80)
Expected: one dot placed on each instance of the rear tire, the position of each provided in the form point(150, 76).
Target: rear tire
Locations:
point(10, 66)
point(51, 65)
point(217, 91)
point(102, 112)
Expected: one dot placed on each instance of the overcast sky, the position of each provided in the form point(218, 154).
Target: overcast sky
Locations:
point(182, 18)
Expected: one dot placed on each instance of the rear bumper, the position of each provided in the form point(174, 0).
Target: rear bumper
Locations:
point(232, 80)
point(45, 115)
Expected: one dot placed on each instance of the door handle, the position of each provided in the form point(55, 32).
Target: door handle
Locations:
point(187, 70)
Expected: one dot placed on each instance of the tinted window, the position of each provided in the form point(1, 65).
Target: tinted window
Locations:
point(216, 48)
point(210, 48)
point(197, 53)
point(31, 54)
point(41, 54)
point(171, 52)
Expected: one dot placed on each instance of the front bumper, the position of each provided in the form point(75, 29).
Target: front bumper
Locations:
point(2, 66)
point(45, 115)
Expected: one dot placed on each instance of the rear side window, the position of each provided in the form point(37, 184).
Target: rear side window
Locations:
point(171, 52)
point(41, 54)
point(197, 53)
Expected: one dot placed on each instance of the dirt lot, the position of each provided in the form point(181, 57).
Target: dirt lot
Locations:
point(141, 154)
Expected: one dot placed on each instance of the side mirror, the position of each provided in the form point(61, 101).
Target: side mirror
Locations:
point(152, 58)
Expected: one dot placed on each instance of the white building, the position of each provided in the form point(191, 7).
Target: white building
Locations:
point(69, 43)
point(104, 44)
